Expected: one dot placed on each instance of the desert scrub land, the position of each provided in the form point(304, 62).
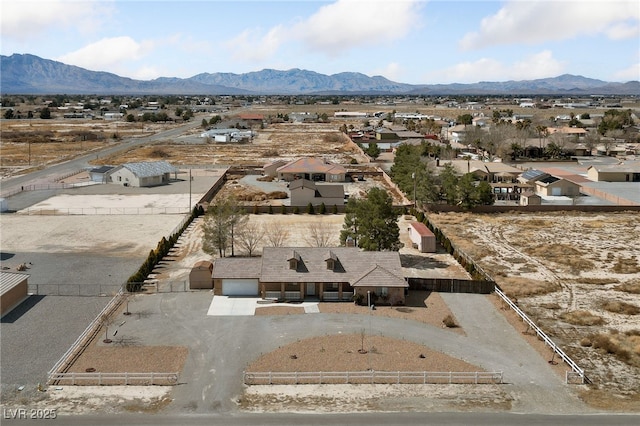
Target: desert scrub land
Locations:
point(578, 276)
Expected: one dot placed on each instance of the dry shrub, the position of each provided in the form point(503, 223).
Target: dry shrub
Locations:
point(551, 305)
point(159, 153)
point(586, 342)
point(523, 287)
point(332, 137)
point(271, 153)
point(632, 287)
point(277, 195)
point(619, 307)
point(449, 321)
point(626, 266)
point(536, 223)
point(265, 179)
point(582, 317)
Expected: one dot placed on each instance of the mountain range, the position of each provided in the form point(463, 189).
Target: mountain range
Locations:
point(30, 74)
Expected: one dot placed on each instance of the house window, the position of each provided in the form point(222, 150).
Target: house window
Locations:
point(384, 291)
point(119, 178)
point(333, 286)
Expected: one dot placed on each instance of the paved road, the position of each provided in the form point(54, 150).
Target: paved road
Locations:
point(368, 419)
point(51, 172)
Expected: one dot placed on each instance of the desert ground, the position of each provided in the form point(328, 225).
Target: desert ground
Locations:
point(577, 275)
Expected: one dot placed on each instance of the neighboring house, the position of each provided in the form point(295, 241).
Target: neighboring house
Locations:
point(150, 173)
point(311, 168)
point(494, 172)
point(422, 237)
point(555, 186)
point(304, 191)
point(322, 273)
point(271, 169)
point(624, 172)
point(13, 290)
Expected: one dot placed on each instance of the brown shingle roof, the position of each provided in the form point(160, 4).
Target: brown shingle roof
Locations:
point(311, 165)
point(377, 276)
point(351, 265)
point(237, 267)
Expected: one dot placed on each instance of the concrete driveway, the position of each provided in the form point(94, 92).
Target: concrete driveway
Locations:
point(246, 306)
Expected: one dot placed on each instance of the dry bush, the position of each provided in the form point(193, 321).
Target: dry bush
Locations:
point(536, 223)
point(277, 195)
point(159, 153)
point(619, 307)
point(523, 287)
point(265, 179)
point(449, 321)
point(596, 281)
point(632, 287)
point(586, 342)
point(271, 153)
point(582, 317)
point(626, 266)
point(332, 137)
point(550, 305)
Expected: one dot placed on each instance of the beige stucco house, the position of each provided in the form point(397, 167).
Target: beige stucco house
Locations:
point(321, 273)
point(313, 169)
point(625, 172)
point(555, 186)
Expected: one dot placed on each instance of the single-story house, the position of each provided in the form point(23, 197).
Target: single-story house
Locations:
point(304, 191)
point(555, 186)
point(14, 289)
point(624, 172)
point(200, 275)
point(422, 237)
point(311, 168)
point(150, 173)
point(323, 273)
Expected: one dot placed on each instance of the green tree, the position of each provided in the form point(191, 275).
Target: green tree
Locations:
point(8, 114)
point(45, 114)
point(130, 118)
point(373, 150)
point(448, 184)
point(465, 119)
point(178, 112)
point(204, 123)
point(372, 222)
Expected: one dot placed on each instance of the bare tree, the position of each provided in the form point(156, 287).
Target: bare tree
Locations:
point(276, 234)
point(320, 235)
point(250, 237)
point(106, 320)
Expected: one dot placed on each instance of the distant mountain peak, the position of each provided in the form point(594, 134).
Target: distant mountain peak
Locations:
point(30, 74)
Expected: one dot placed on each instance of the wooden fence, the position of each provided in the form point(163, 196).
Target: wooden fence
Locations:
point(449, 285)
point(372, 377)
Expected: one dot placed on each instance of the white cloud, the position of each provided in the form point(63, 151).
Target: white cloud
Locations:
point(392, 71)
point(25, 20)
point(250, 45)
point(108, 54)
point(540, 65)
point(347, 24)
point(539, 21)
point(333, 29)
point(628, 74)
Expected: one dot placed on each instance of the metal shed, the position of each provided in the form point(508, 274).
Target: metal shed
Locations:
point(13, 290)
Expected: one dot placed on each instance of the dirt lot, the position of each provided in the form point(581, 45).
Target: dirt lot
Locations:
point(578, 276)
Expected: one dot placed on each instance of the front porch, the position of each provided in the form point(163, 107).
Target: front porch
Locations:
point(325, 292)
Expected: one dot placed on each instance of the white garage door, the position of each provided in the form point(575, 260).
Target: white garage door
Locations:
point(239, 287)
point(556, 191)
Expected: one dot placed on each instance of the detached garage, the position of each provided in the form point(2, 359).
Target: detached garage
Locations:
point(236, 276)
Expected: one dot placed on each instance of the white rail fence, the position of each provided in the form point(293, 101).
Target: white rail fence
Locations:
point(577, 372)
point(372, 377)
point(92, 329)
point(113, 379)
point(104, 211)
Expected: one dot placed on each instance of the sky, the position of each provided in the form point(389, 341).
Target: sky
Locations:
point(406, 41)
